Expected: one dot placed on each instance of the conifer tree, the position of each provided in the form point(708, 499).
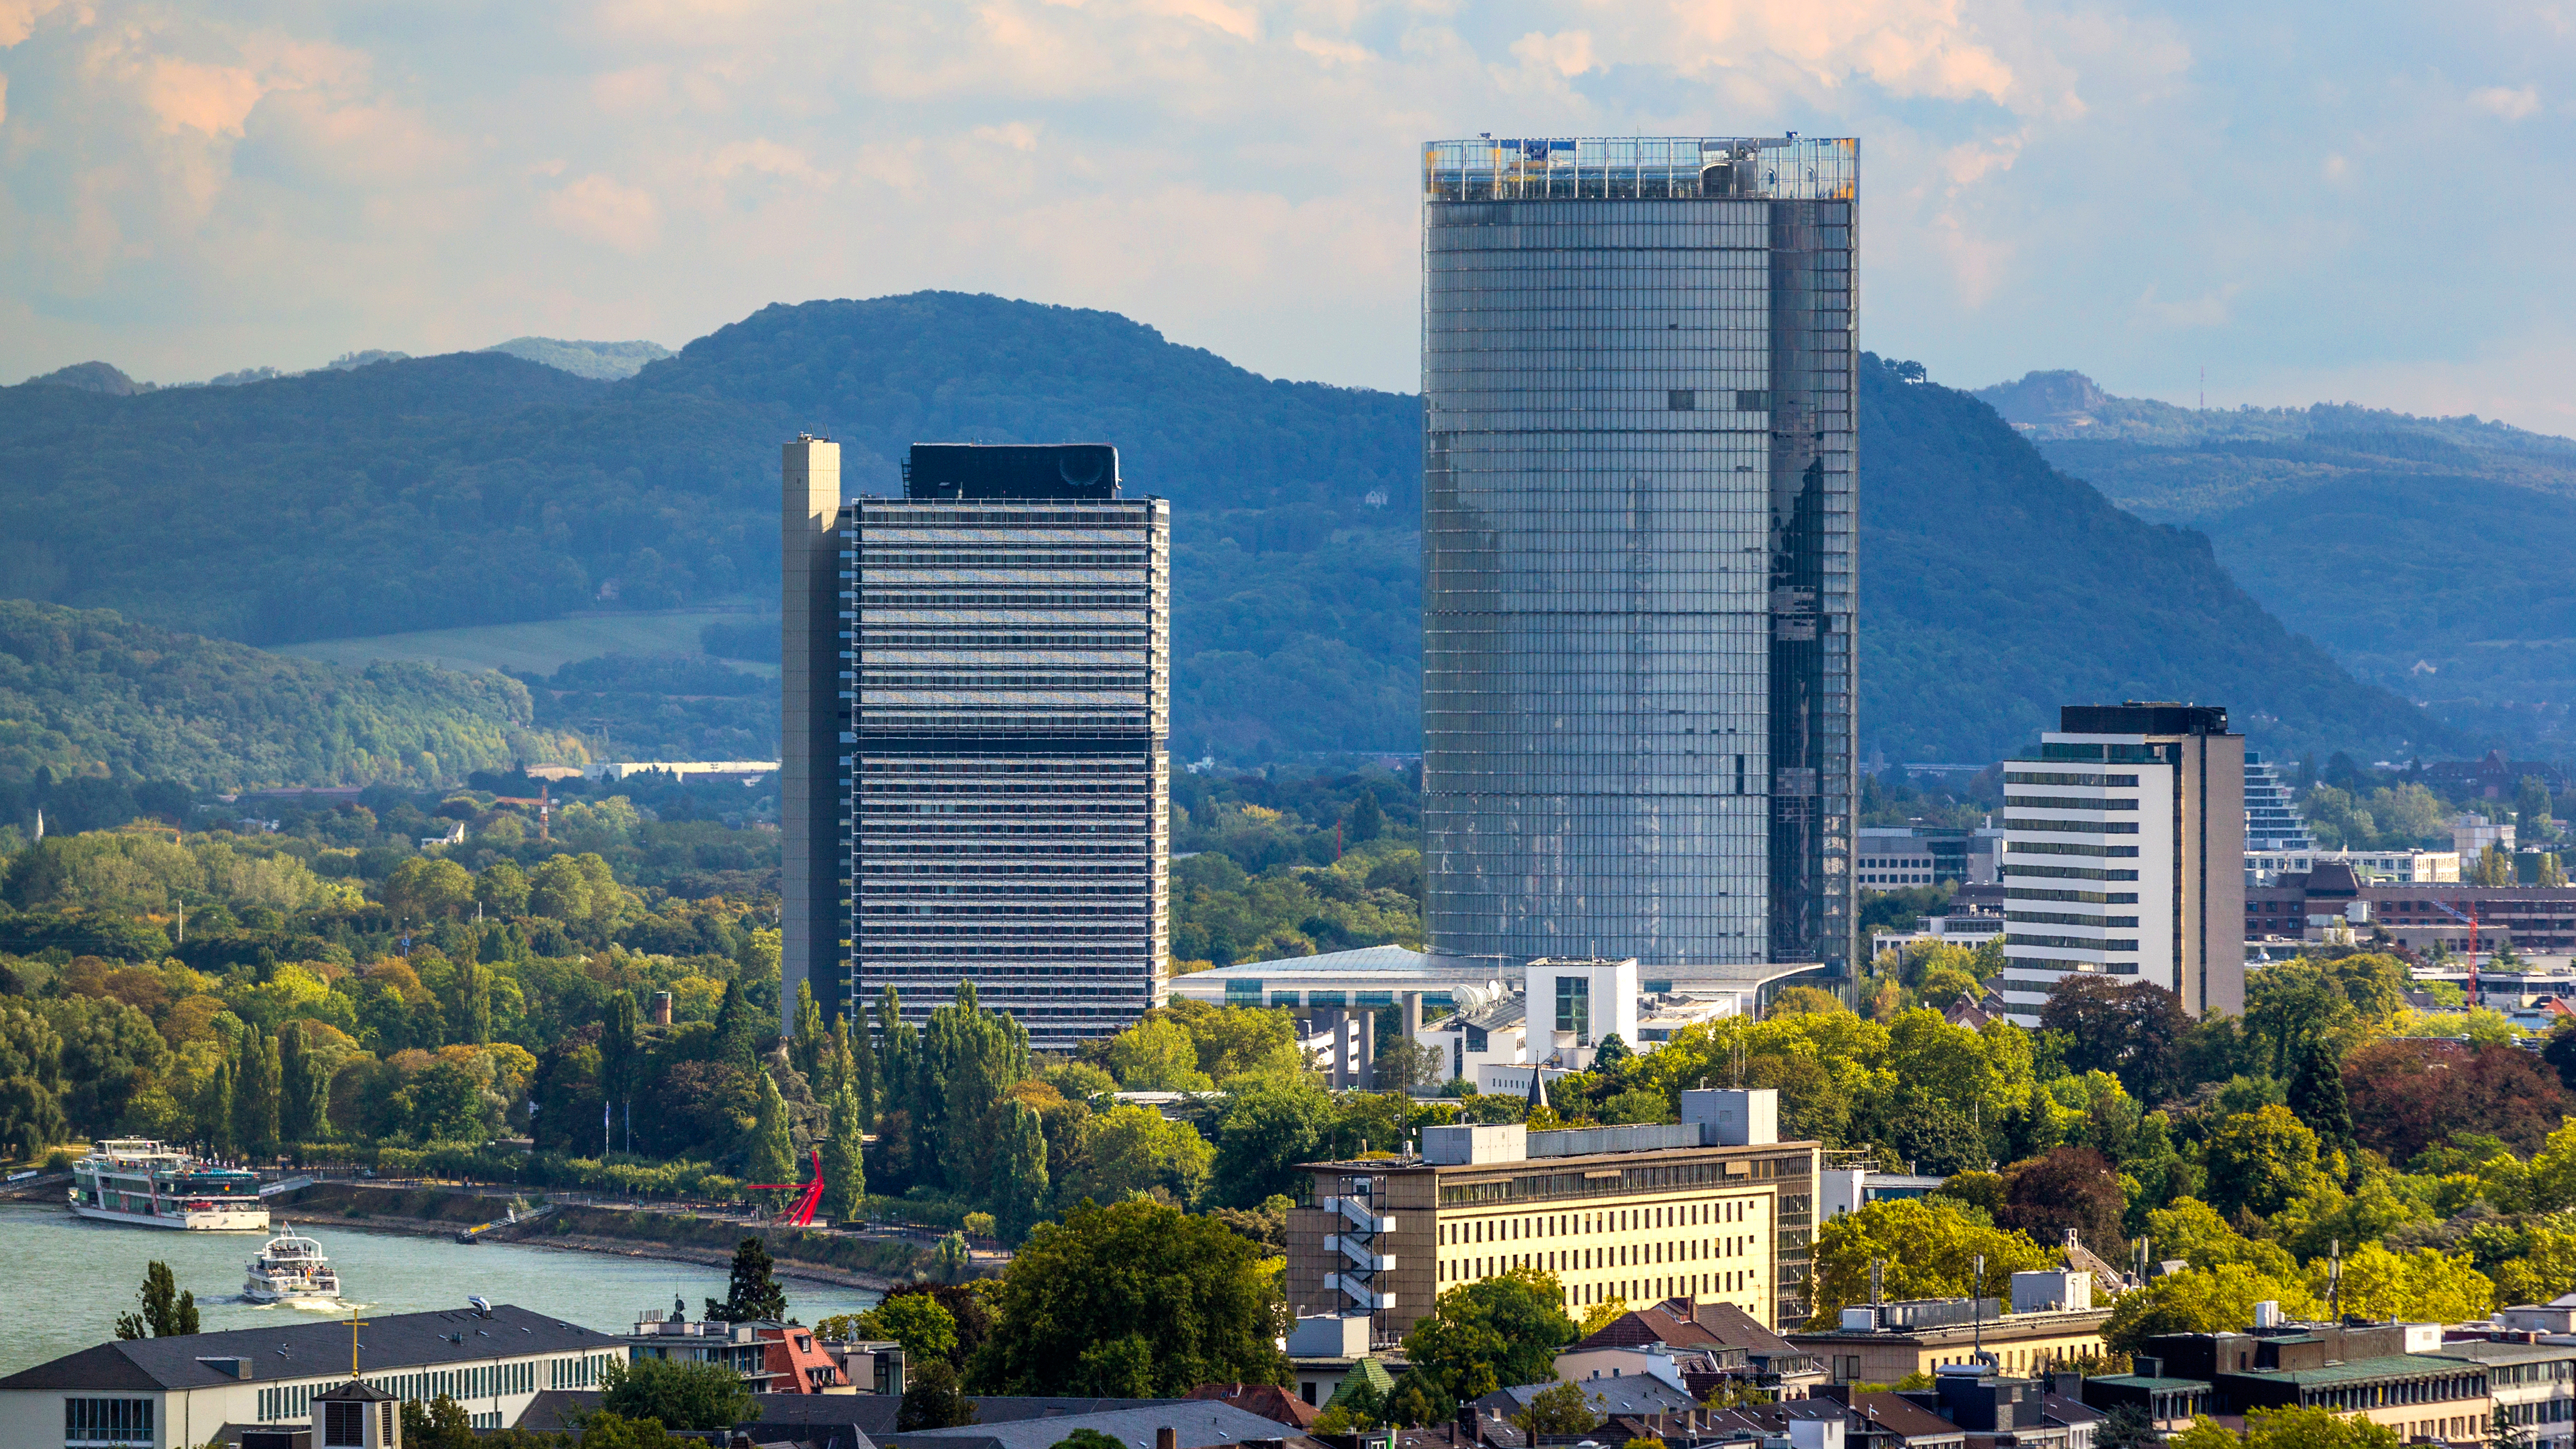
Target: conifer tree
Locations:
point(754, 1294)
point(618, 1059)
point(2317, 1096)
point(773, 1152)
point(214, 1108)
point(806, 1047)
point(1019, 1170)
point(304, 1088)
point(255, 1092)
point(861, 1059)
point(739, 1034)
point(845, 1170)
point(898, 1067)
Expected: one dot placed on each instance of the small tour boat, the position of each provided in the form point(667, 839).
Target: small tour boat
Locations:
point(290, 1267)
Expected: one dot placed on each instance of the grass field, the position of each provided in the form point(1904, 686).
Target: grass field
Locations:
point(536, 648)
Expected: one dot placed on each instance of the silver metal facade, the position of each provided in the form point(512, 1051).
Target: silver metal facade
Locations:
point(1012, 662)
point(1638, 647)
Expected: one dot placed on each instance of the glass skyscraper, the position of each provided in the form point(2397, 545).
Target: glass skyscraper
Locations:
point(1638, 649)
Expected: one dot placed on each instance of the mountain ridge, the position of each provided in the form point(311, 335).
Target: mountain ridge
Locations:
point(482, 488)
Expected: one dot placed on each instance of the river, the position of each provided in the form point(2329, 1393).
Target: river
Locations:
point(65, 1279)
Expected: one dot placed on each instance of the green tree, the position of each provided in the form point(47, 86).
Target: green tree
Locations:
point(1087, 1438)
point(2317, 1096)
point(2418, 1286)
point(2311, 1428)
point(1368, 819)
point(754, 1295)
point(773, 1152)
point(1157, 1056)
point(2493, 868)
point(807, 1045)
point(921, 1323)
point(1134, 1293)
point(255, 1091)
point(1612, 1051)
point(933, 1400)
point(845, 1168)
point(741, 1029)
point(678, 1393)
point(1928, 1248)
point(214, 1108)
point(2197, 1300)
point(1132, 1149)
point(621, 1064)
point(425, 889)
point(861, 1069)
point(304, 1087)
point(969, 1058)
point(605, 1430)
point(1020, 1188)
point(169, 1311)
point(502, 889)
point(1561, 1411)
point(1493, 1333)
point(2127, 1426)
point(2258, 1161)
point(441, 1423)
point(1270, 1123)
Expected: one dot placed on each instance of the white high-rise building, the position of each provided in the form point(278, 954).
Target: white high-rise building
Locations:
point(2124, 854)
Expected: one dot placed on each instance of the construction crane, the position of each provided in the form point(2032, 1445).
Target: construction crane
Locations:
point(809, 1196)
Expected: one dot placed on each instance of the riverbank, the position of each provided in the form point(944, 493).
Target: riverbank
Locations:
point(858, 1260)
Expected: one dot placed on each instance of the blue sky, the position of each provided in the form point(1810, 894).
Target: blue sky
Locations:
point(2363, 202)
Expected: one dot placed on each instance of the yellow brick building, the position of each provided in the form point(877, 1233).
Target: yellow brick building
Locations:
point(1633, 1213)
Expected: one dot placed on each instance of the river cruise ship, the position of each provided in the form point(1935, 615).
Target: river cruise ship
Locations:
point(132, 1180)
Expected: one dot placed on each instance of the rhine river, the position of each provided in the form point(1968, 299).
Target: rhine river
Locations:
point(66, 1279)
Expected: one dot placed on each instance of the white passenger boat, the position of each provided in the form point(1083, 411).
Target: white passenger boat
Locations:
point(290, 1267)
point(134, 1180)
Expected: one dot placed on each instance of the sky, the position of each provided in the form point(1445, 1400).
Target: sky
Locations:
point(2365, 202)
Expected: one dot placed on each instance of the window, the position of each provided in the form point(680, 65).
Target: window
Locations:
point(107, 1421)
point(1574, 1008)
point(344, 1425)
point(1682, 400)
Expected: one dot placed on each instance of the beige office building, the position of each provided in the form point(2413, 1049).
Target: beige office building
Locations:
point(1714, 1209)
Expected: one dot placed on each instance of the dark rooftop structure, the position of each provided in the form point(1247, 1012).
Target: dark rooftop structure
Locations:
point(2137, 717)
point(1014, 471)
point(1136, 1423)
point(304, 1350)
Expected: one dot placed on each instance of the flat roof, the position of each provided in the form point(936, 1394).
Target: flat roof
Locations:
point(1548, 1164)
point(2387, 1366)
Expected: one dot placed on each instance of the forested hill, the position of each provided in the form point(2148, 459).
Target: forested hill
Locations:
point(2427, 553)
point(1994, 588)
point(82, 691)
point(482, 488)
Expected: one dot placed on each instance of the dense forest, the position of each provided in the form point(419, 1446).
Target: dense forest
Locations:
point(482, 488)
point(84, 692)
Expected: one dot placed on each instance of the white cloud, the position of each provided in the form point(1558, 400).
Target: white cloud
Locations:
point(2513, 104)
point(2118, 185)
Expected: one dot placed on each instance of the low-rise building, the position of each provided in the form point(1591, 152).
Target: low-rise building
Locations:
point(1883, 1343)
point(1715, 1209)
point(177, 1393)
point(2360, 1369)
point(2331, 899)
point(2533, 1385)
point(1698, 1348)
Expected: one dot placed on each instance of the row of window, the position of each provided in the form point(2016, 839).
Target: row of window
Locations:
point(2054, 918)
point(2072, 943)
point(2067, 872)
point(2068, 847)
point(2075, 827)
point(2098, 898)
point(2014, 777)
point(107, 1421)
point(1587, 1260)
point(2071, 802)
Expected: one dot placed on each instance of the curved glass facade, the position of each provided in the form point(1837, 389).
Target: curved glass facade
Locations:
point(1637, 541)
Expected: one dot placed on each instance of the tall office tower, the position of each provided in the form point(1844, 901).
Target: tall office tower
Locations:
point(1637, 674)
point(2124, 854)
point(814, 715)
point(2271, 816)
point(1009, 782)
